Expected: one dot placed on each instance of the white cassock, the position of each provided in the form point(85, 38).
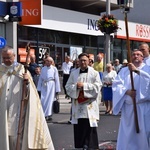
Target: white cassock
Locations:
point(91, 88)
point(128, 139)
point(48, 84)
point(36, 133)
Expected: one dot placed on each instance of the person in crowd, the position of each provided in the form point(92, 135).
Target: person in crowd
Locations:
point(108, 76)
point(32, 65)
point(123, 97)
point(44, 58)
point(49, 86)
point(83, 87)
point(12, 75)
point(144, 48)
point(66, 72)
point(117, 65)
point(74, 67)
point(36, 77)
point(91, 60)
point(98, 65)
point(124, 64)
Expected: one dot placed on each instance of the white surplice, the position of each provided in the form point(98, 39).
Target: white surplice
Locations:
point(91, 88)
point(36, 133)
point(128, 139)
point(48, 84)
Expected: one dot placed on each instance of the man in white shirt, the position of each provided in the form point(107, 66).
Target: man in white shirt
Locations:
point(66, 72)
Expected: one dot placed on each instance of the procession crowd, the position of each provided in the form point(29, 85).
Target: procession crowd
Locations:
point(122, 88)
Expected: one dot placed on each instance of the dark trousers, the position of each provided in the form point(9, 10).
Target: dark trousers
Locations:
point(65, 79)
point(85, 135)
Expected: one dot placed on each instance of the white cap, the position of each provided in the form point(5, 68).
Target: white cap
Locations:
point(125, 61)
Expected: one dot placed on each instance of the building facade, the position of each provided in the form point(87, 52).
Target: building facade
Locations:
point(69, 31)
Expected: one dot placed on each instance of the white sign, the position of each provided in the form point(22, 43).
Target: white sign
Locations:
point(75, 52)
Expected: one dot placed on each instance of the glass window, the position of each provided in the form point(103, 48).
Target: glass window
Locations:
point(27, 33)
point(46, 35)
point(101, 40)
point(117, 44)
point(117, 55)
point(91, 41)
point(77, 39)
point(62, 37)
point(91, 51)
point(124, 45)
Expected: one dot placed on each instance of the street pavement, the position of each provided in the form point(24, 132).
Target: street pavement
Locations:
point(62, 132)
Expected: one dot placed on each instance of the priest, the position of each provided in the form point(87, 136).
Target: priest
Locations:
point(35, 132)
point(83, 87)
point(49, 86)
point(128, 138)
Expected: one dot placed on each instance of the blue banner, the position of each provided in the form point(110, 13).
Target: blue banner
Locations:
point(15, 9)
point(3, 8)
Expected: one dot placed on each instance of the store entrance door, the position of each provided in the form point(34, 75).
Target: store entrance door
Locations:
point(60, 53)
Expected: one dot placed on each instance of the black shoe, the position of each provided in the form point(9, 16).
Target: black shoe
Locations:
point(85, 147)
point(69, 122)
point(48, 118)
point(106, 112)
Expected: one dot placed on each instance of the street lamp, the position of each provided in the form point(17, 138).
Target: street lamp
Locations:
point(125, 8)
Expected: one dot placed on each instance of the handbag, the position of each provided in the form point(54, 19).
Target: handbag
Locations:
point(56, 105)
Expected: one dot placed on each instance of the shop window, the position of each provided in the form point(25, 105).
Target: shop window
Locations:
point(46, 35)
point(124, 45)
point(27, 33)
point(77, 39)
point(92, 41)
point(117, 44)
point(101, 40)
point(62, 38)
point(91, 51)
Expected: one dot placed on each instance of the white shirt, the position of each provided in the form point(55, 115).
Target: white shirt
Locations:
point(147, 60)
point(66, 67)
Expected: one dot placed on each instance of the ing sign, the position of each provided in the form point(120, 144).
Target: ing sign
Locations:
point(31, 12)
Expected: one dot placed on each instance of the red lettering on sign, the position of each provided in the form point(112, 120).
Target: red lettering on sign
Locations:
point(143, 31)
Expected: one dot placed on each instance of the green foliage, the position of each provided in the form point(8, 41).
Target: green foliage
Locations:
point(108, 21)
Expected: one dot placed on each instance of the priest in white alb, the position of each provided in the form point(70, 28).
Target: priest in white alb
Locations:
point(49, 86)
point(128, 138)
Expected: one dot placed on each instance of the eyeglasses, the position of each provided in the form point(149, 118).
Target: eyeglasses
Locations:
point(142, 49)
point(137, 55)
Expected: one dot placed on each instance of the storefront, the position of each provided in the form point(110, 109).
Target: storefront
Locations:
point(61, 33)
point(64, 32)
point(137, 33)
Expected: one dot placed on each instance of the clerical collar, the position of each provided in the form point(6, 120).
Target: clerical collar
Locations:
point(84, 71)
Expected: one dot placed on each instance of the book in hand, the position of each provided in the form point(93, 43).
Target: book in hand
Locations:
point(81, 98)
